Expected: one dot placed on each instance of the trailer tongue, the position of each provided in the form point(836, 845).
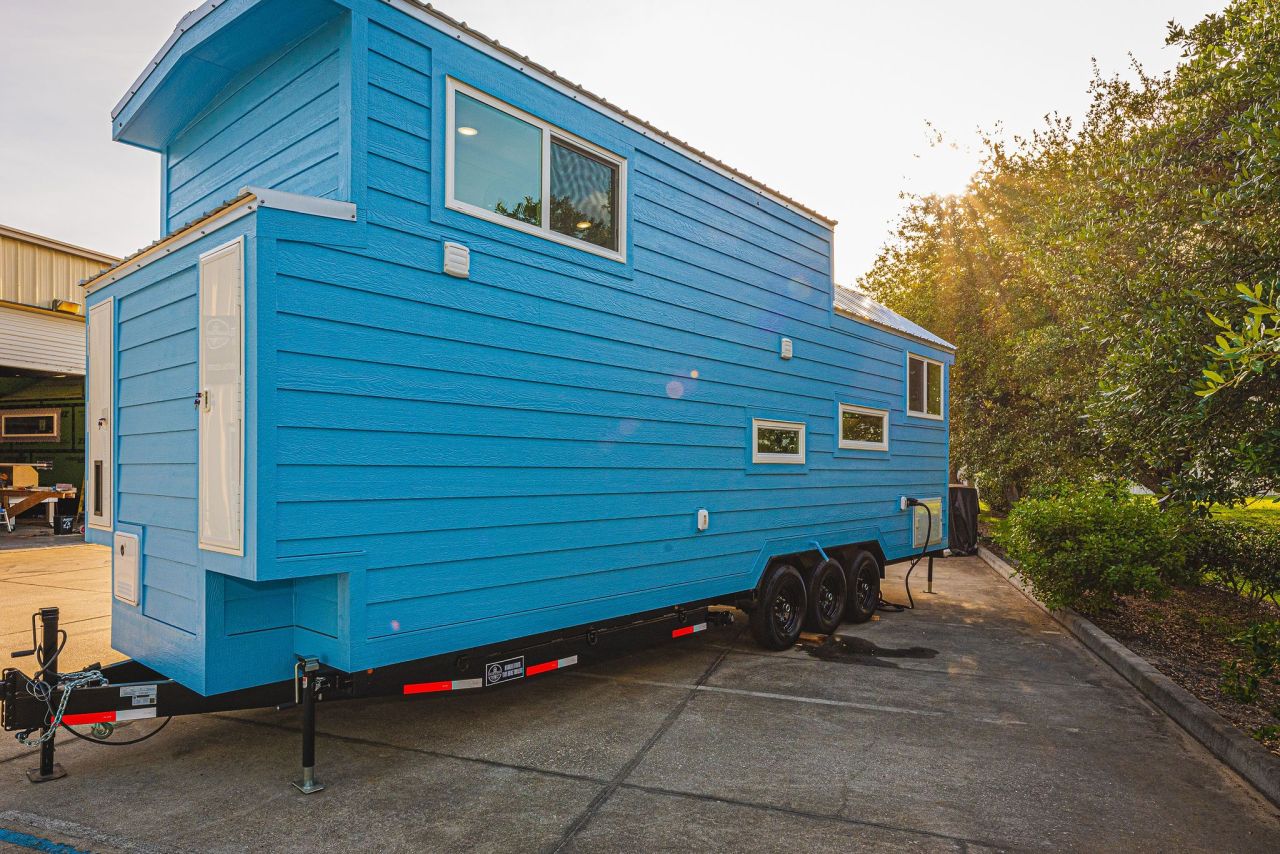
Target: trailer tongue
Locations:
point(104, 697)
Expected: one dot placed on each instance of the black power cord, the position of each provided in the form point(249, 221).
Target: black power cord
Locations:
point(894, 607)
point(106, 743)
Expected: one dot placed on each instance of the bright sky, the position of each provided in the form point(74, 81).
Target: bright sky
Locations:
point(829, 102)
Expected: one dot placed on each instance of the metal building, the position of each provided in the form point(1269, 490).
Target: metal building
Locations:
point(42, 358)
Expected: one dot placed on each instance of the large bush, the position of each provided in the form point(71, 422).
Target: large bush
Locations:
point(1241, 556)
point(1081, 546)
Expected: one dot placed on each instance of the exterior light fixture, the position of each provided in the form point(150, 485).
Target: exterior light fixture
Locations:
point(467, 131)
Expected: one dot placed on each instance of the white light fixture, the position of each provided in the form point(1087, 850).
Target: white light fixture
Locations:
point(467, 131)
point(585, 224)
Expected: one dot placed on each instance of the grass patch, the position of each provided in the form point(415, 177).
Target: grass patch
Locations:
point(1258, 511)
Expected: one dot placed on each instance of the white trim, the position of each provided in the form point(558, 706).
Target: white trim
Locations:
point(108, 486)
point(859, 445)
point(237, 550)
point(942, 401)
point(299, 203)
point(768, 423)
point(452, 87)
point(55, 436)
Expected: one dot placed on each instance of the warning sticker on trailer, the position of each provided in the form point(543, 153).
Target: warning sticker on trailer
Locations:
point(504, 671)
point(140, 695)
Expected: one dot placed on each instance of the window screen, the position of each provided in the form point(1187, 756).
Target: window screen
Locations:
point(584, 192)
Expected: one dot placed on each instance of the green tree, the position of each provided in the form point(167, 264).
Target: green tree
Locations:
point(1076, 272)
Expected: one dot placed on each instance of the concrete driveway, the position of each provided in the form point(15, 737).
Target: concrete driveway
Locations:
point(971, 723)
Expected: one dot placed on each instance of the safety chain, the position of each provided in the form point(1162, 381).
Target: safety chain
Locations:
point(42, 691)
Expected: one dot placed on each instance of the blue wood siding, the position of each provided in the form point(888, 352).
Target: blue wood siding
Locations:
point(440, 463)
point(527, 448)
point(278, 126)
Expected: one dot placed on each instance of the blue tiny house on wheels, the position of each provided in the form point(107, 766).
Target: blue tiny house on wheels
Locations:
point(439, 350)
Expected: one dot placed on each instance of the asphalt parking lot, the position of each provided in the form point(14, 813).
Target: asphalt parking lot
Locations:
point(971, 723)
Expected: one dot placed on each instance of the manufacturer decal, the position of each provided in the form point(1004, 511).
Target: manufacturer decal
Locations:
point(504, 671)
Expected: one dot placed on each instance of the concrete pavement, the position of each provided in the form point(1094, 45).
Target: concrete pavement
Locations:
point(971, 723)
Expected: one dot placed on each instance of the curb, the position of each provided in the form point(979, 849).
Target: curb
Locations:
point(1237, 751)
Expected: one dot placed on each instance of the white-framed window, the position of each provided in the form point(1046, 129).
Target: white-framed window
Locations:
point(924, 387)
point(777, 441)
point(863, 428)
point(509, 167)
point(30, 425)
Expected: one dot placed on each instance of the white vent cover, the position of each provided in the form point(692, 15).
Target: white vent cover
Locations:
point(920, 523)
point(785, 349)
point(124, 567)
point(457, 260)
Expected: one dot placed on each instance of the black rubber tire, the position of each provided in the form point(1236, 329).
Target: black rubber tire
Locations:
point(827, 589)
point(779, 614)
point(864, 588)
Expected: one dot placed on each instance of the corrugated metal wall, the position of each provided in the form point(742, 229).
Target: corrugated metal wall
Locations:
point(34, 271)
point(36, 341)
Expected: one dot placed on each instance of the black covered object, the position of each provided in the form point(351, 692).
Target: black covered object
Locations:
point(963, 507)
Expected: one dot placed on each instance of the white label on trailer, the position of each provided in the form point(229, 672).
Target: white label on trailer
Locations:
point(141, 695)
point(504, 671)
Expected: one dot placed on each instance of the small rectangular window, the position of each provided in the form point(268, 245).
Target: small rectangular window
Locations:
point(514, 169)
point(863, 429)
point(924, 387)
point(30, 425)
point(777, 441)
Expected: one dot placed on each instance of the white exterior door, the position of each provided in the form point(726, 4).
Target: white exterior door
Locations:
point(221, 399)
point(99, 479)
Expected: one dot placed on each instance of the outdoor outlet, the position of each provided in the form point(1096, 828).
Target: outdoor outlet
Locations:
point(785, 352)
point(457, 260)
point(704, 519)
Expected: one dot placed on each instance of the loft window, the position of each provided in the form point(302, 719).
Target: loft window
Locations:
point(30, 425)
point(924, 387)
point(863, 429)
point(777, 441)
point(514, 169)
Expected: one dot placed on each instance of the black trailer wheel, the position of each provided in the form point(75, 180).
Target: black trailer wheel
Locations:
point(779, 613)
point(864, 588)
point(827, 588)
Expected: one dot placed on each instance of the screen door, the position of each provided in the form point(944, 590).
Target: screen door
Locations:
point(220, 399)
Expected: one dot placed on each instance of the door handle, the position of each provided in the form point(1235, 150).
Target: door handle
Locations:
point(202, 400)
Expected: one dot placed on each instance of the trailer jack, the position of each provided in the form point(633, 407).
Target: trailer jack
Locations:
point(308, 681)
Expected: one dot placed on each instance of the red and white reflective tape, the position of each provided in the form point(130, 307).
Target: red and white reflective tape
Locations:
point(535, 669)
point(688, 630)
point(448, 685)
point(108, 717)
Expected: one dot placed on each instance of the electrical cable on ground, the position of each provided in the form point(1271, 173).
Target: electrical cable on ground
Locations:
point(894, 607)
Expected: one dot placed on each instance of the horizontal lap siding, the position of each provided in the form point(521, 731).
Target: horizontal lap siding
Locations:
point(526, 449)
point(277, 128)
point(156, 426)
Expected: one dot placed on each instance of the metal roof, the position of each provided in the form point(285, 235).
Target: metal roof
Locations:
point(858, 305)
point(459, 29)
point(243, 196)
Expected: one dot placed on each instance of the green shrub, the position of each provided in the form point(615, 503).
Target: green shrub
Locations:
point(1245, 676)
point(1080, 546)
point(1236, 554)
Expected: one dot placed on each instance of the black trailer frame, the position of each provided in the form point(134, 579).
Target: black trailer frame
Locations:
point(129, 690)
